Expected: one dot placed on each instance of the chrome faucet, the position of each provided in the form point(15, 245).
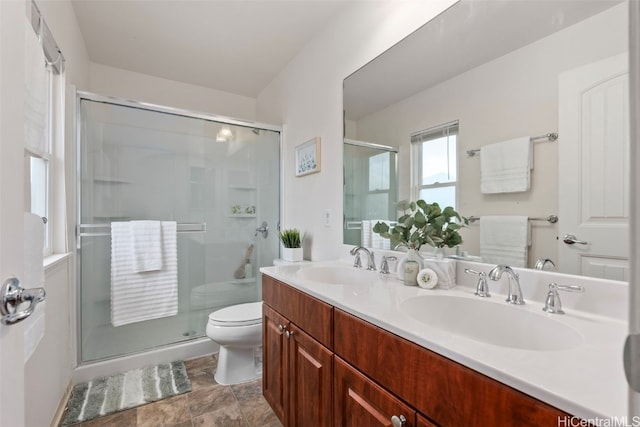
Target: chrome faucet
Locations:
point(515, 292)
point(553, 304)
point(482, 288)
point(384, 266)
point(543, 262)
point(371, 262)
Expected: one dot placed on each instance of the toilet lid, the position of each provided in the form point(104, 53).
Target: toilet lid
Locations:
point(238, 315)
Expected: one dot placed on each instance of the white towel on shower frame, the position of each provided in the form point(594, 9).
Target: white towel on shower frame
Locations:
point(136, 297)
point(146, 241)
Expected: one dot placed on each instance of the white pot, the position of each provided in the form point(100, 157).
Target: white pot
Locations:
point(292, 254)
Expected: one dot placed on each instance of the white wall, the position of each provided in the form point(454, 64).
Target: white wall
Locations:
point(125, 84)
point(307, 98)
point(514, 95)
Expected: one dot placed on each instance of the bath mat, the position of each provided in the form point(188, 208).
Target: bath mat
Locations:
point(106, 395)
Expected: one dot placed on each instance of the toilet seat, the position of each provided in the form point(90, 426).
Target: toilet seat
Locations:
point(238, 315)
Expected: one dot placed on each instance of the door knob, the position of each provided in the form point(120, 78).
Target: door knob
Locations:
point(398, 421)
point(13, 295)
point(570, 239)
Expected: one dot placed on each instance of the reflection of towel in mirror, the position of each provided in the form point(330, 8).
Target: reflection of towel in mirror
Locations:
point(505, 167)
point(505, 240)
point(373, 240)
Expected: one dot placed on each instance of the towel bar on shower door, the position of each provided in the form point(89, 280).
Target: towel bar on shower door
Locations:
point(94, 230)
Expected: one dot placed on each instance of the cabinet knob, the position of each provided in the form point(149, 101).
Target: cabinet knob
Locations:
point(281, 328)
point(398, 421)
point(288, 334)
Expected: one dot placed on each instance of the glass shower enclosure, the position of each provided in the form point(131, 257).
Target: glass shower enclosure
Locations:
point(218, 179)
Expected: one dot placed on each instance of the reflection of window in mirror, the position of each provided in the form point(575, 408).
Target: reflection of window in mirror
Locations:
point(434, 164)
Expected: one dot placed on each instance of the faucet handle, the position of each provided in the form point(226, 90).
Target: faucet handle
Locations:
point(552, 303)
point(384, 265)
point(482, 287)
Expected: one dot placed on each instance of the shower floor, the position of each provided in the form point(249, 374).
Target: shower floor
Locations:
point(208, 404)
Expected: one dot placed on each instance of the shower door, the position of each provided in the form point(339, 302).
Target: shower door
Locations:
point(218, 180)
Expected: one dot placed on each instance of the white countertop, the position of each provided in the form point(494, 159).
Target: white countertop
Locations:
point(586, 381)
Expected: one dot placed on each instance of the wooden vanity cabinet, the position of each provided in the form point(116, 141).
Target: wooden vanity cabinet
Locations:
point(445, 391)
point(358, 374)
point(297, 367)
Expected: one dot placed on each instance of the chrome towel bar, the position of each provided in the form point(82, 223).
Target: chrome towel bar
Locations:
point(94, 230)
point(542, 138)
point(551, 218)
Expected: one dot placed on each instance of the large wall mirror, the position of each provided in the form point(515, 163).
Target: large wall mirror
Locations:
point(490, 71)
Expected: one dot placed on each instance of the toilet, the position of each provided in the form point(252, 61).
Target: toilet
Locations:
point(238, 331)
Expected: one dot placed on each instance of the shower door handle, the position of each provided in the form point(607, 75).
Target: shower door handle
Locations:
point(264, 229)
point(13, 295)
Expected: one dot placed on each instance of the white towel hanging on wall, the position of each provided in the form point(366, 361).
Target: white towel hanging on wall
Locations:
point(505, 167)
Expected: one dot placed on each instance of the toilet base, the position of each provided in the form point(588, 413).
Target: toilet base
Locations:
point(236, 365)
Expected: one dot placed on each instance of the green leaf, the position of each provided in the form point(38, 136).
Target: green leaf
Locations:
point(419, 220)
point(381, 227)
point(412, 206)
point(409, 222)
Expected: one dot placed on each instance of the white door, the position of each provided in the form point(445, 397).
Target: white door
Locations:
point(594, 169)
point(12, 17)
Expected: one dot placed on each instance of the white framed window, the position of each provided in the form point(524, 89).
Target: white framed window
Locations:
point(43, 103)
point(433, 153)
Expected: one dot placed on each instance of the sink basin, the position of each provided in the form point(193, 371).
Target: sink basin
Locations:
point(337, 275)
point(492, 322)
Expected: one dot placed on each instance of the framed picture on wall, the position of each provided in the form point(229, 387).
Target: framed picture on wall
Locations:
point(308, 157)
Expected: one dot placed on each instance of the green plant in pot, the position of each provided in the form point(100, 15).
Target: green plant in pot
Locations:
point(424, 223)
point(291, 245)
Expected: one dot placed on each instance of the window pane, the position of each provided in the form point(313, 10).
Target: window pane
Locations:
point(438, 161)
point(444, 196)
point(379, 172)
point(38, 186)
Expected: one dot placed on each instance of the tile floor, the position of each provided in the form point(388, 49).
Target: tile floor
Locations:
point(208, 404)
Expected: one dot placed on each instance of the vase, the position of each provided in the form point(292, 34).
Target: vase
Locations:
point(409, 267)
point(292, 254)
point(439, 253)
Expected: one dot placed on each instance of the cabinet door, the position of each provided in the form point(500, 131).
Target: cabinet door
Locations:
point(274, 358)
point(311, 380)
point(424, 422)
point(360, 402)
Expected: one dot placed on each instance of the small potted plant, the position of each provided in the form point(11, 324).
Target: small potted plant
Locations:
point(291, 245)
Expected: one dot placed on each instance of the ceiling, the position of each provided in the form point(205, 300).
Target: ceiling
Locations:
point(237, 46)
point(468, 34)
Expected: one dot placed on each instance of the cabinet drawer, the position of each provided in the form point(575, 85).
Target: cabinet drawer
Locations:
point(315, 317)
point(447, 392)
point(358, 401)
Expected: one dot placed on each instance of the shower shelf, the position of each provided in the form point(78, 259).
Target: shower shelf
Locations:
point(243, 187)
point(242, 215)
point(111, 180)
